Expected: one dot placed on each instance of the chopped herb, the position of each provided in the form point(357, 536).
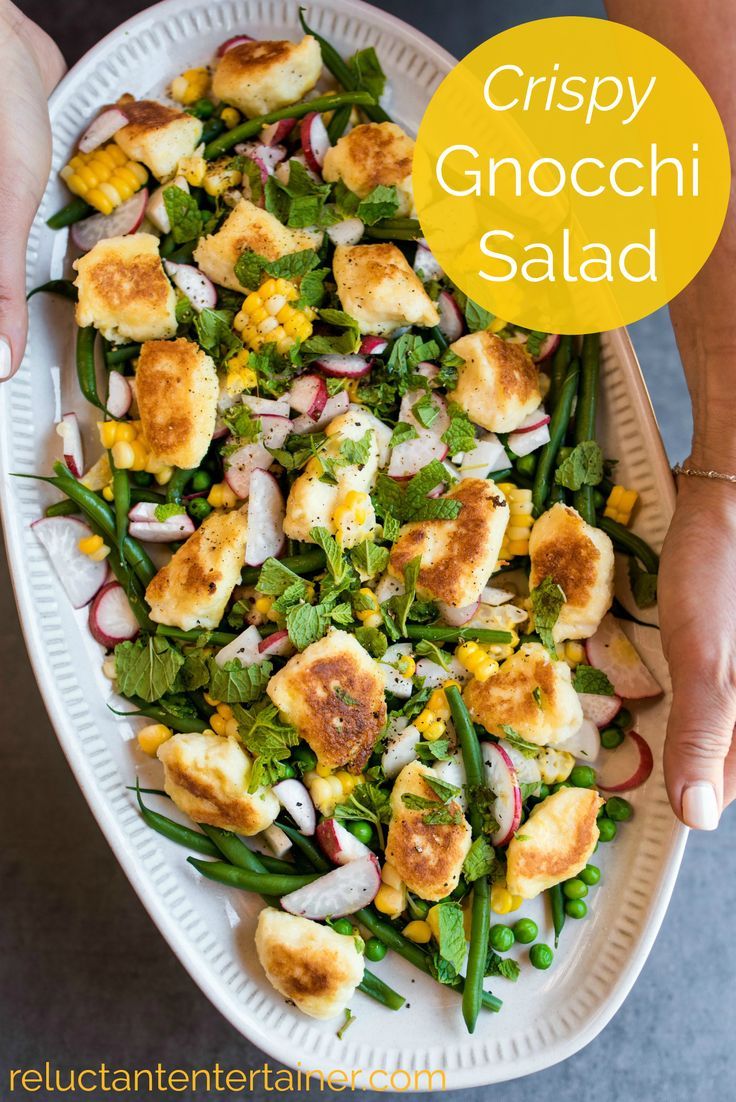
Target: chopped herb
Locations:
point(367, 801)
point(429, 752)
point(369, 559)
point(583, 466)
point(185, 217)
point(528, 749)
point(480, 859)
point(349, 1019)
point(147, 667)
point(547, 601)
point(344, 696)
point(235, 683)
point(506, 967)
point(460, 433)
point(587, 679)
point(268, 738)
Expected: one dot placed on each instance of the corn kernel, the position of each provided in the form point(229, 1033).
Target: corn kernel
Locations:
point(620, 504)
point(222, 497)
point(164, 475)
point(390, 875)
point(193, 169)
point(574, 653)
point(108, 432)
point(152, 736)
point(104, 178)
point(389, 901)
point(190, 86)
point(406, 666)
point(231, 117)
point(218, 724)
point(123, 455)
point(211, 701)
point(418, 931)
point(323, 770)
point(497, 325)
point(100, 553)
point(232, 730)
point(90, 544)
point(433, 921)
point(347, 781)
point(502, 901)
point(107, 492)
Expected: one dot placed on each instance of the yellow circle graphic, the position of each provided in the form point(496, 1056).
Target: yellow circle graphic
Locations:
point(571, 175)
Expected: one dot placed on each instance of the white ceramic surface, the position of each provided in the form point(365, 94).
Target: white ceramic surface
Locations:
point(547, 1016)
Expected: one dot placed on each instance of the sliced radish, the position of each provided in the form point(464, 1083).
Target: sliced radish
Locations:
point(124, 219)
point(347, 232)
point(315, 140)
point(400, 750)
point(276, 132)
point(411, 456)
point(339, 844)
point(612, 651)
point(80, 575)
point(441, 421)
point(340, 892)
point(283, 171)
point(119, 395)
point(156, 211)
point(426, 264)
point(585, 743)
point(276, 645)
point(144, 525)
point(194, 284)
point(239, 466)
point(230, 43)
point(111, 619)
point(626, 767)
point(533, 421)
point(308, 394)
point(278, 407)
point(600, 709)
point(274, 429)
point(456, 617)
point(487, 456)
point(68, 430)
point(396, 683)
point(452, 771)
point(333, 407)
point(502, 779)
point(451, 322)
point(276, 839)
point(265, 155)
point(344, 367)
point(266, 512)
point(548, 347)
point(102, 129)
point(373, 346)
point(527, 769)
point(492, 595)
point(524, 443)
point(246, 648)
point(433, 674)
point(388, 587)
point(295, 799)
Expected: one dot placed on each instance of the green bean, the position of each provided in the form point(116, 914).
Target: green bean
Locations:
point(141, 493)
point(376, 989)
point(439, 337)
point(632, 544)
point(121, 354)
point(267, 883)
point(338, 122)
point(184, 253)
point(63, 508)
point(121, 500)
point(177, 484)
point(452, 635)
point(97, 510)
point(585, 416)
point(306, 563)
point(315, 857)
point(176, 832)
point(342, 71)
point(557, 901)
point(74, 211)
point(557, 428)
point(86, 370)
point(395, 229)
point(62, 287)
point(219, 638)
point(481, 908)
point(252, 127)
point(181, 724)
point(560, 364)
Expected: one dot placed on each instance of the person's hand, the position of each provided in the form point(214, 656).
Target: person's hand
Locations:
point(31, 65)
point(697, 601)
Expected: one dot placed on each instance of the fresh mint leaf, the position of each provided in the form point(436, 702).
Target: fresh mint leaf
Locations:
point(460, 433)
point(643, 585)
point(242, 424)
point(583, 466)
point(215, 334)
point(391, 528)
point(476, 317)
point(367, 72)
point(381, 202)
point(357, 452)
point(373, 640)
point(195, 673)
point(547, 601)
point(587, 679)
point(452, 944)
point(185, 217)
point(443, 790)
point(369, 559)
point(506, 967)
point(312, 287)
point(429, 752)
point(300, 202)
point(402, 432)
point(426, 411)
point(337, 564)
point(430, 650)
point(268, 739)
point(250, 266)
point(367, 801)
point(147, 667)
point(275, 578)
point(479, 860)
point(396, 609)
point(528, 749)
point(305, 625)
point(234, 683)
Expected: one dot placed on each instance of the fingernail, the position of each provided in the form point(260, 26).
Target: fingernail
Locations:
point(700, 806)
point(6, 359)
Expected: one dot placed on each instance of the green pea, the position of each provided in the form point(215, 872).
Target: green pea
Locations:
point(582, 776)
point(375, 949)
point(501, 937)
point(598, 500)
point(202, 109)
point(624, 719)
point(201, 481)
point(526, 464)
point(306, 759)
point(618, 809)
point(591, 874)
point(525, 930)
point(574, 889)
point(361, 830)
point(543, 791)
point(611, 737)
point(575, 908)
point(287, 771)
point(141, 478)
point(563, 453)
point(343, 926)
point(198, 508)
point(607, 830)
point(541, 956)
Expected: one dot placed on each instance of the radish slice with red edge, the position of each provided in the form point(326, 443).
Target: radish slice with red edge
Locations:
point(584, 744)
point(502, 780)
point(68, 430)
point(315, 140)
point(245, 648)
point(265, 156)
point(451, 322)
point(80, 576)
point(456, 617)
point(102, 129)
point(344, 367)
point(347, 232)
point(339, 844)
point(239, 467)
point(535, 420)
point(611, 650)
point(295, 799)
point(259, 406)
point(144, 525)
point(340, 892)
point(194, 284)
point(409, 458)
point(276, 645)
point(230, 43)
point(274, 429)
point(600, 709)
point(308, 394)
point(111, 619)
point(373, 346)
point(276, 132)
point(124, 219)
point(400, 750)
point(438, 410)
point(547, 348)
point(119, 395)
point(626, 767)
point(333, 407)
point(524, 443)
point(426, 264)
point(487, 456)
point(266, 512)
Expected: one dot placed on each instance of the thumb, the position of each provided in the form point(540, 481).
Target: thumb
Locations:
point(699, 736)
point(18, 211)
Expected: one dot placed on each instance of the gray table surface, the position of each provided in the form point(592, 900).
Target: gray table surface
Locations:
point(86, 977)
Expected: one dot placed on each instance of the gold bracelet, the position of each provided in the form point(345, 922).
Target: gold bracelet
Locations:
point(698, 472)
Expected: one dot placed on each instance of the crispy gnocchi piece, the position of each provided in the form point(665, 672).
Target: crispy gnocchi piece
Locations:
point(248, 227)
point(207, 778)
point(258, 77)
point(377, 287)
point(428, 857)
point(372, 154)
point(310, 964)
point(177, 390)
point(555, 842)
point(123, 290)
point(579, 558)
point(192, 590)
point(333, 693)
point(498, 385)
point(458, 555)
point(158, 135)
point(531, 693)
